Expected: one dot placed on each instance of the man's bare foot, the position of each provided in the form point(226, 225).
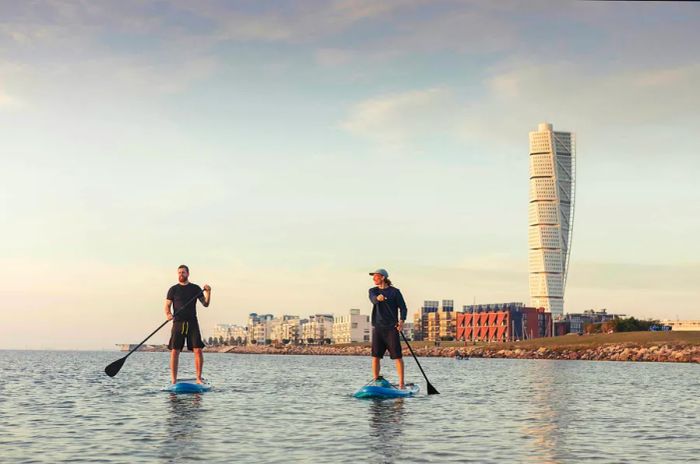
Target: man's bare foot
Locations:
point(199, 381)
point(402, 386)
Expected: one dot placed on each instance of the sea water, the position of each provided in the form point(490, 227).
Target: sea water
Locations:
point(60, 407)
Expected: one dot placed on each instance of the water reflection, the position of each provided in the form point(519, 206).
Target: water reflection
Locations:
point(385, 426)
point(546, 414)
point(183, 427)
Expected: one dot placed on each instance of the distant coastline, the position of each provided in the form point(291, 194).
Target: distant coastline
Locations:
point(683, 347)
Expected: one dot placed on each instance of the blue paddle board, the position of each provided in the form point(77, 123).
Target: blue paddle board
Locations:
point(188, 386)
point(383, 389)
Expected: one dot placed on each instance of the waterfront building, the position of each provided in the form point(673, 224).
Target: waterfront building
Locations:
point(351, 328)
point(550, 216)
point(250, 323)
point(317, 329)
point(435, 322)
point(230, 333)
point(685, 325)
point(290, 329)
point(447, 321)
point(502, 322)
point(433, 330)
point(420, 319)
point(417, 326)
point(221, 331)
point(259, 328)
point(577, 322)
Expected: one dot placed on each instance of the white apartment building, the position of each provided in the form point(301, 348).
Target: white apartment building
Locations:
point(550, 215)
point(259, 327)
point(222, 331)
point(318, 328)
point(229, 332)
point(351, 328)
point(285, 329)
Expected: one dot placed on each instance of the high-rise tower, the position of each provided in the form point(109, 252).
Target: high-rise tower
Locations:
point(551, 215)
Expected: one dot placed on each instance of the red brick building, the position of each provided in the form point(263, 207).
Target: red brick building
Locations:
point(502, 322)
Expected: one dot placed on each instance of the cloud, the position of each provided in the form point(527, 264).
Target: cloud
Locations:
point(396, 120)
point(516, 96)
point(576, 97)
point(291, 22)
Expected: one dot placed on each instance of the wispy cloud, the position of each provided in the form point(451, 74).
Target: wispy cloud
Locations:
point(579, 98)
point(396, 120)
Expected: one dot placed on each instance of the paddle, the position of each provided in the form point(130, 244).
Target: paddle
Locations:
point(113, 369)
point(431, 389)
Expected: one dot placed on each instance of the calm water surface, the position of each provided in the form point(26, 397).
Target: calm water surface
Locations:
point(60, 406)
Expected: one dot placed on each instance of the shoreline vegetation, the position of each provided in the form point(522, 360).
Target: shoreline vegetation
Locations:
point(682, 347)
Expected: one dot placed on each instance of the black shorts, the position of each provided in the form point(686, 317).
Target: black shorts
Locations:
point(386, 338)
point(185, 331)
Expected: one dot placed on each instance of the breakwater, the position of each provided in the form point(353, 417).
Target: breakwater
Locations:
point(608, 352)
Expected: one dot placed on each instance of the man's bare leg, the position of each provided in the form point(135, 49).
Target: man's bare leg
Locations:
point(198, 363)
point(375, 367)
point(399, 370)
point(174, 359)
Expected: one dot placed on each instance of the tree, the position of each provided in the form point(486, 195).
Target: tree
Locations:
point(631, 324)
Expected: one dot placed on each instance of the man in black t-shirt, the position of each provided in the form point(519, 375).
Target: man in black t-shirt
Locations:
point(182, 297)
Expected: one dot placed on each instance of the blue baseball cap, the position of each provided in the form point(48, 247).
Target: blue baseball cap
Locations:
point(382, 272)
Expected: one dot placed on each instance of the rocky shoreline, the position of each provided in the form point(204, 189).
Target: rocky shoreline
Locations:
point(608, 352)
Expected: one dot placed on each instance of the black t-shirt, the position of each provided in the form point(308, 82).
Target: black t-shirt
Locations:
point(182, 294)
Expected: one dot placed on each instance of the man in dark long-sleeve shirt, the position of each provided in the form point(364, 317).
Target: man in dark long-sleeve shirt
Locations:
point(388, 316)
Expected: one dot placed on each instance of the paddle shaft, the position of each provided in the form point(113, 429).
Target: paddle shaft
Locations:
point(161, 326)
point(431, 390)
point(414, 356)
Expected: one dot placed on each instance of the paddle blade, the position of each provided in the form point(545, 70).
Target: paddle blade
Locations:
point(113, 368)
point(432, 390)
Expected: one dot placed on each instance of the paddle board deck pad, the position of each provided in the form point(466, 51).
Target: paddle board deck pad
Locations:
point(383, 389)
point(188, 386)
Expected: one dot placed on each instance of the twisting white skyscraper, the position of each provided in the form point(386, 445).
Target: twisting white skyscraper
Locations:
point(551, 214)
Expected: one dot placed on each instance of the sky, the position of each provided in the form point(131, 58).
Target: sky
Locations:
point(285, 149)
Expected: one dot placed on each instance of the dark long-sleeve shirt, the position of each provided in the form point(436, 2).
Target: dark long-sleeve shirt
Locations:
point(386, 313)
